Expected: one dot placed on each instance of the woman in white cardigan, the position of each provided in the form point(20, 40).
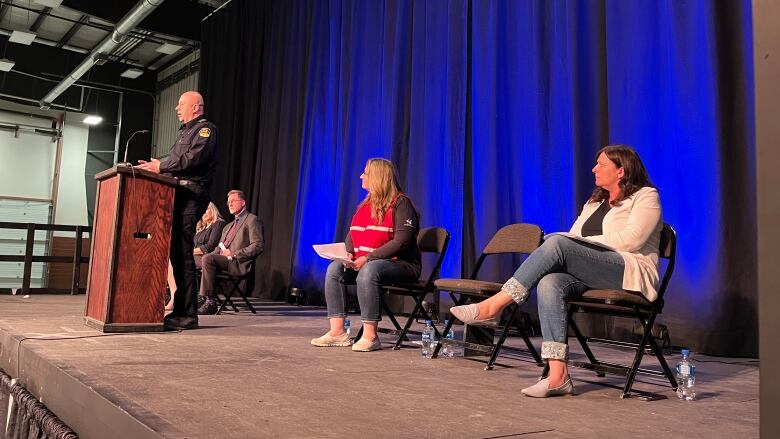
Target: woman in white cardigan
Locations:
point(612, 245)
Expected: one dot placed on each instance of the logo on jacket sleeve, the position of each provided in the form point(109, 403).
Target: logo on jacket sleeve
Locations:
point(408, 223)
point(204, 132)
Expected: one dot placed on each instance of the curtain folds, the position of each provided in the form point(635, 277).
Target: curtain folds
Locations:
point(492, 111)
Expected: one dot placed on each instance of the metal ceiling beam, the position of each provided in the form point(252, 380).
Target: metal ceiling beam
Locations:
point(72, 31)
point(3, 9)
point(142, 9)
point(155, 37)
point(39, 21)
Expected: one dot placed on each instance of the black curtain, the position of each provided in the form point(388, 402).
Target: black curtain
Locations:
point(252, 90)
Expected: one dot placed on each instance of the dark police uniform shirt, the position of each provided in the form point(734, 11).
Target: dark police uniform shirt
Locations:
point(193, 157)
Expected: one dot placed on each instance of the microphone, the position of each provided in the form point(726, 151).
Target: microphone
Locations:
point(128, 142)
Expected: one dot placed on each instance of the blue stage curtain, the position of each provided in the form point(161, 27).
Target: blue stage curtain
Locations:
point(388, 80)
point(493, 111)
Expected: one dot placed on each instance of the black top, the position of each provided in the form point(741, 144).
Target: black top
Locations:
point(194, 155)
point(403, 246)
point(594, 224)
point(208, 238)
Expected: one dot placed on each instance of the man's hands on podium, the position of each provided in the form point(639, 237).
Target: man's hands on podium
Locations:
point(152, 166)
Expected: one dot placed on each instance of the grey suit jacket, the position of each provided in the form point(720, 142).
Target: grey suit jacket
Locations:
point(247, 244)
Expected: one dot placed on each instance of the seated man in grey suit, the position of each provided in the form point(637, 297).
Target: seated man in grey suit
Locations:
point(242, 241)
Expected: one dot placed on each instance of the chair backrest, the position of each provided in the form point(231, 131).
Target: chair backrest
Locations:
point(667, 249)
point(434, 240)
point(513, 238)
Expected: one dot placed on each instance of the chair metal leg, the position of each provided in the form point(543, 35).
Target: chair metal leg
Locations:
point(664, 365)
point(640, 352)
point(532, 349)
point(545, 370)
point(427, 316)
point(409, 321)
point(446, 330)
point(224, 304)
point(391, 316)
point(359, 334)
point(583, 343)
point(504, 333)
point(246, 301)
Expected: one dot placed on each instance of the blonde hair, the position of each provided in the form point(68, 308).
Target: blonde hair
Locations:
point(215, 216)
point(383, 187)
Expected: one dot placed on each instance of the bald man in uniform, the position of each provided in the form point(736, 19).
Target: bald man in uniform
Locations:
point(192, 161)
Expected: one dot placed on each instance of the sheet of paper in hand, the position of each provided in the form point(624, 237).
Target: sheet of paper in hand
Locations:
point(336, 252)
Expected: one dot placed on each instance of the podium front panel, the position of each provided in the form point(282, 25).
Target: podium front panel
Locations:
point(143, 246)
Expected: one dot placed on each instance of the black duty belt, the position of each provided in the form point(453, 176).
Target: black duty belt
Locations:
point(190, 183)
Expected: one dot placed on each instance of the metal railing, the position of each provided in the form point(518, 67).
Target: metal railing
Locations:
point(28, 258)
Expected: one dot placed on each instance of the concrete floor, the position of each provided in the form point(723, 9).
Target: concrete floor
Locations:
point(251, 376)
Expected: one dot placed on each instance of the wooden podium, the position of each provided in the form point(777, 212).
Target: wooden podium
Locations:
point(130, 247)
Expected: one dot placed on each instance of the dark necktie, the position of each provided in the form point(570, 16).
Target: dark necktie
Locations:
point(231, 233)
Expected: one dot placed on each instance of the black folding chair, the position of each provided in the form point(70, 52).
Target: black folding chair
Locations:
point(242, 285)
point(429, 240)
point(627, 304)
point(514, 238)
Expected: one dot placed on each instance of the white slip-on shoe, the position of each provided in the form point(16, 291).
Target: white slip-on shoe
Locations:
point(329, 341)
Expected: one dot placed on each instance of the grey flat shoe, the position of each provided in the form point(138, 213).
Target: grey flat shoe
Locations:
point(468, 314)
point(541, 389)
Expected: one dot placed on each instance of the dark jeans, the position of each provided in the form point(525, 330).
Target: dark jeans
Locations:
point(189, 207)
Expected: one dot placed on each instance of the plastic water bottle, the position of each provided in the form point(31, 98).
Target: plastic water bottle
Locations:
point(686, 377)
point(347, 326)
point(448, 350)
point(428, 340)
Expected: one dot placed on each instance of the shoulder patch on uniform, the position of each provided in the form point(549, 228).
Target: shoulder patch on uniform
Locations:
point(204, 132)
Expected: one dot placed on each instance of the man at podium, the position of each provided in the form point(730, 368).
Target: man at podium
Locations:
point(193, 161)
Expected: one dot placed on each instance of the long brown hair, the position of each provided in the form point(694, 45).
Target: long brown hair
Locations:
point(383, 187)
point(634, 173)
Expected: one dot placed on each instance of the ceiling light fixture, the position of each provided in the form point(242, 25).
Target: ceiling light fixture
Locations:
point(132, 73)
point(22, 37)
point(93, 120)
point(6, 65)
point(168, 48)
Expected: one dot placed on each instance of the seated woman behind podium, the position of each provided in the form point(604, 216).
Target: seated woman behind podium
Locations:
point(207, 234)
point(382, 243)
point(613, 244)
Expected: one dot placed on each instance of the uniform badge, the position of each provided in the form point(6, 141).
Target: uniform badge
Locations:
point(204, 132)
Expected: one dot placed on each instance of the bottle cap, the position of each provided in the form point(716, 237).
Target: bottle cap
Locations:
point(685, 352)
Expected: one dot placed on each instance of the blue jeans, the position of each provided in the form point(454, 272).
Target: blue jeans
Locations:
point(369, 280)
point(562, 269)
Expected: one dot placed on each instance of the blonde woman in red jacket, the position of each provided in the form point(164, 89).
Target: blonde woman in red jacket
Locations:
point(382, 242)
